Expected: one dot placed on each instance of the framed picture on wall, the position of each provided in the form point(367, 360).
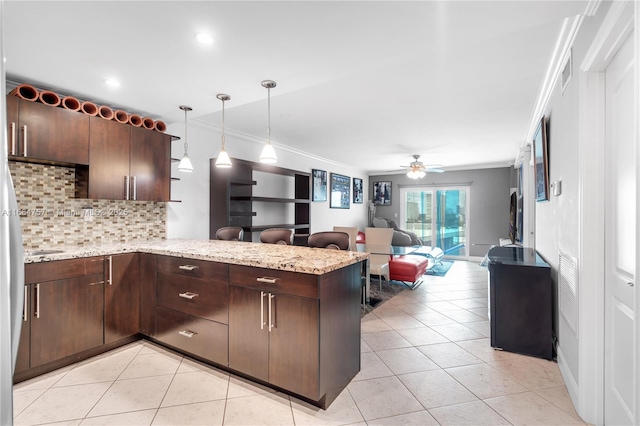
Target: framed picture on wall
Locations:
point(382, 193)
point(340, 191)
point(319, 189)
point(358, 195)
point(541, 164)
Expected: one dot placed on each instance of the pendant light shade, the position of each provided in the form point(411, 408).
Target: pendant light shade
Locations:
point(268, 154)
point(185, 164)
point(223, 161)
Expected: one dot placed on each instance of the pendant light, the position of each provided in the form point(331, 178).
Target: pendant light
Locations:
point(268, 154)
point(223, 161)
point(185, 164)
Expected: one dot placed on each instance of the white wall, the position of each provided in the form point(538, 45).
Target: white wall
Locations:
point(488, 202)
point(190, 218)
point(558, 221)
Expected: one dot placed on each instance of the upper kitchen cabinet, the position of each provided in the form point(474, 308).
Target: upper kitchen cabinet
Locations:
point(41, 133)
point(150, 165)
point(125, 163)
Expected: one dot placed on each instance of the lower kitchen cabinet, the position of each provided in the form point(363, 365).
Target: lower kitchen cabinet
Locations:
point(192, 299)
point(147, 278)
point(121, 297)
point(24, 348)
point(63, 311)
point(66, 317)
point(274, 337)
point(198, 336)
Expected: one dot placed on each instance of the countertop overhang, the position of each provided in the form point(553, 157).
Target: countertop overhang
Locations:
point(306, 260)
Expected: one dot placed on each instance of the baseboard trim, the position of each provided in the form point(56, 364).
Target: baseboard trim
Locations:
point(569, 380)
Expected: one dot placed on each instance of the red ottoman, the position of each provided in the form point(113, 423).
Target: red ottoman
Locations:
point(408, 269)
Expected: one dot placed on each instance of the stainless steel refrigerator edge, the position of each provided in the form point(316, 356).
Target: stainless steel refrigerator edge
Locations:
point(11, 260)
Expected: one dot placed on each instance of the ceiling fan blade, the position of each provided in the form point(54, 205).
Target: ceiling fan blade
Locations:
point(433, 170)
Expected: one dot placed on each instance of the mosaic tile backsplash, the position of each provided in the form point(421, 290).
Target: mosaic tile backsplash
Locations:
point(50, 215)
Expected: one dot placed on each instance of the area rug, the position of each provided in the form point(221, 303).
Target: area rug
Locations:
point(441, 268)
point(377, 297)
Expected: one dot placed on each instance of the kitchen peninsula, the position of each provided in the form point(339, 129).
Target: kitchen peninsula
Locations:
point(285, 316)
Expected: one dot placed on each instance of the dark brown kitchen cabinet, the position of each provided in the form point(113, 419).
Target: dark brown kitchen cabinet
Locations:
point(274, 328)
point(150, 166)
point(121, 297)
point(192, 306)
point(63, 310)
point(42, 133)
point(12, 125)
point(126, 163)
point(108, 172)
point(296, 331)
point(279, 342)
point(66, 317)
point(147, 277)
point(24, 348)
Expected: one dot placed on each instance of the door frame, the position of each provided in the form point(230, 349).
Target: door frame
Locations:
point(587, 391)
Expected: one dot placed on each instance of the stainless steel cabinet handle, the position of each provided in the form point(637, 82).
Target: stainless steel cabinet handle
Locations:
point(126, 187)
point(187, 333)
point(262, 323)
point(267, 280)
point(188, 295)
point(37, 312)
point(13, 138)
point(188, 267)
point(110, 278)
point(97, 282)
point(271, 323)
point(24, 312)
point(24, 133)
point(135, 188)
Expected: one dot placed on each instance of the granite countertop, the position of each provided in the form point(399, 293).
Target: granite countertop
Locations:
point(271, 256)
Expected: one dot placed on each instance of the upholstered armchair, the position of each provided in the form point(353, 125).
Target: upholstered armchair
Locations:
point(400, 236)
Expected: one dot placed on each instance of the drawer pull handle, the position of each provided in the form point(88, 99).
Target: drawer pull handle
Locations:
point(267, 280)
point(97, 282)
point(188, 295)
point(188, 267)
point(187, 333)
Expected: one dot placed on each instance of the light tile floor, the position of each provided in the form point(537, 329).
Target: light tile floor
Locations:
point(426, 360)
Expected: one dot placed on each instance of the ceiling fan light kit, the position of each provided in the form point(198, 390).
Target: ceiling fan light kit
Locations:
point(417, 170)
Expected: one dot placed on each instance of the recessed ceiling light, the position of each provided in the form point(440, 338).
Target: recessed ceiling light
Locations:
point(111, 82)
point(204, 38)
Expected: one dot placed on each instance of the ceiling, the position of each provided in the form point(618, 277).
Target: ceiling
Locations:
point(361, 83)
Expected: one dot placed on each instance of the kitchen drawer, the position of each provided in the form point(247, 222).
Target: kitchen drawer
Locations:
point(202, 298)
point(294, 283)
point(201, 337)
point(192, 268)
point(62, 269)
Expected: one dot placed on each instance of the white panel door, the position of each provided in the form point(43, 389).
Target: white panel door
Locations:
point(621, 361)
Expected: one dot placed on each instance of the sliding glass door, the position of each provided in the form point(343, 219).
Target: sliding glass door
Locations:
point(438, 215)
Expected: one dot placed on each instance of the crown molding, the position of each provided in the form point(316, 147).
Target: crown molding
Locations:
point(570, 28)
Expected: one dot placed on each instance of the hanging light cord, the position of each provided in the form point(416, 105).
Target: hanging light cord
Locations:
point(186, 146)
point(223, 124)
point(269, 109)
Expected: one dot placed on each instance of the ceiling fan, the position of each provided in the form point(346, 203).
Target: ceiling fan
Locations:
point(416, 169)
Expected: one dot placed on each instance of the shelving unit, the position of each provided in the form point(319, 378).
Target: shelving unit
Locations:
point(175, 160)
point(232, 199)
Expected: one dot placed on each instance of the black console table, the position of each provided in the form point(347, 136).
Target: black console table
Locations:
point(520, 301)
